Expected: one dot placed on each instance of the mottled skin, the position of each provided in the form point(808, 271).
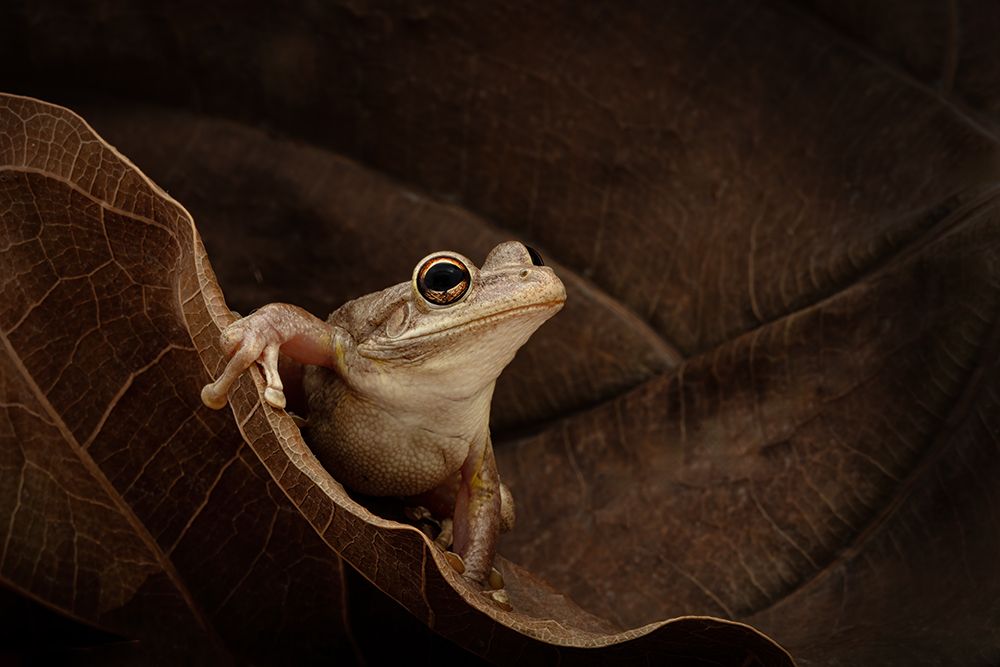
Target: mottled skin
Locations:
point(399, 388)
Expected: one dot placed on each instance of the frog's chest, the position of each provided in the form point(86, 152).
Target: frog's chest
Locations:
point(376, 451)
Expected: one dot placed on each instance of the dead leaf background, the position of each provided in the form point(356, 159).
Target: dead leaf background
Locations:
point(781, 217)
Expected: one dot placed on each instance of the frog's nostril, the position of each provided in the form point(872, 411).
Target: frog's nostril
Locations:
point(524, 273)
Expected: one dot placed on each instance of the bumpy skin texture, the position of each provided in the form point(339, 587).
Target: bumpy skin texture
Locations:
point(411, 460)
point(399, 387)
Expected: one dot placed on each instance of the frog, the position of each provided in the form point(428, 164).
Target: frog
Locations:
point(399, 385)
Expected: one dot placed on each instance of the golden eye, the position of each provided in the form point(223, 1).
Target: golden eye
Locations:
point(442, 280)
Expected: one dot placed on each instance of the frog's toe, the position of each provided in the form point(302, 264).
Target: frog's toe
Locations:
point(212, 397)
point(495, 580)
point(243, 350)
point(275, 392)
point(455, 561)
point(275, 397)
point(417, 513)
point(447, 534)
point(500, 599)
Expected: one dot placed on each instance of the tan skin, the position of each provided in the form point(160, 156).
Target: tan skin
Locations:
point(399, 383)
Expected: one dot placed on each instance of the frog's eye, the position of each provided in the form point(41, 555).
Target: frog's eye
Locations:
point(443, 280)
point(536, 259)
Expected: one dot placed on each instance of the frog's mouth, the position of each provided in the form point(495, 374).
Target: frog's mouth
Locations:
point(392, 347)
point(553, 305)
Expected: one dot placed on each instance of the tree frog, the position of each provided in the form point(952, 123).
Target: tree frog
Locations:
point(399, 382)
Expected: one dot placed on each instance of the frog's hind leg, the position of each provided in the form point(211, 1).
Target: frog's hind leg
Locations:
point(481, 508)
point(440, 501)
point(477, 511)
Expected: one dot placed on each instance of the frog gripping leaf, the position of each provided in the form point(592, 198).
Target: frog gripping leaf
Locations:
point(399, 382)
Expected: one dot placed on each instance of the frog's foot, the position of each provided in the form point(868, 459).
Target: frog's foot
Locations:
point(494, 590)
point(493, 582)
point(251, 339)
point(447, 535)
point(492, 586)
point(418, 514)
point(438, 531)
point(500, 599)
point(455, 561)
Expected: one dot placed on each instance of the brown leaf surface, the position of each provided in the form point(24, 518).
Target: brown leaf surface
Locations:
point(126, 504)
point(776, 399)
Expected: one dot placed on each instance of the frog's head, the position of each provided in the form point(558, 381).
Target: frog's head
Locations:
point(453, 328)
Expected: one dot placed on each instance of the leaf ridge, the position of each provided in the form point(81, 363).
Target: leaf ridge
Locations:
point(934, 451)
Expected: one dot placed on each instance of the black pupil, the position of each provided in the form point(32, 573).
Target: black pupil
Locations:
point(443, 276)
point(536, 259)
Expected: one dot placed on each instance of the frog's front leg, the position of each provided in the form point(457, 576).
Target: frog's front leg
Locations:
point(258, 338)
point(477, 511)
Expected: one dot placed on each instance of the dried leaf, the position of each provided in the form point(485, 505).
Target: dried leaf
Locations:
point(125, 503)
